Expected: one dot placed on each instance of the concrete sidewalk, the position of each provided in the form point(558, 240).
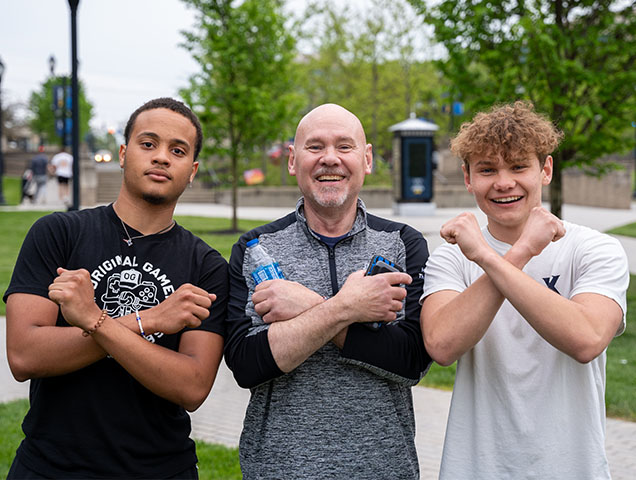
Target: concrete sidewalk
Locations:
point(220, 418)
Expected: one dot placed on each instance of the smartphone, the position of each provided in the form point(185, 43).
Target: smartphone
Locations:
point(379, 264)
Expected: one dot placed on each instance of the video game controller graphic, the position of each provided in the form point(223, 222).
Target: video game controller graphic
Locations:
point(126, 293)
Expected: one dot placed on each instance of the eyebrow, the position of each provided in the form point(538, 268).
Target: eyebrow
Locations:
point(343, 138)
point(156, 137)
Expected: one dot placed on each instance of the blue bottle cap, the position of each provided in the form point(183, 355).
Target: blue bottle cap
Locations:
point(252, 242)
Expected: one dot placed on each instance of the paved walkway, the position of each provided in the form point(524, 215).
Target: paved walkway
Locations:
point(220, 418)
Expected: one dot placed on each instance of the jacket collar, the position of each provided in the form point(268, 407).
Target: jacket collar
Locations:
point(359, 224)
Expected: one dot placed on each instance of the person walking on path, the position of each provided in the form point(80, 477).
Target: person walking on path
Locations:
point(527, 306)
point(39, 170)
point(62, 168)
point(330, 394)
point(116, 315)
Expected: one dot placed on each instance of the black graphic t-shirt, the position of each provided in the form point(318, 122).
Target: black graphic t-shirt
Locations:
point(99, 421)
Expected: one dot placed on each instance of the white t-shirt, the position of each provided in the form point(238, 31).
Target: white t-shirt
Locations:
point(63, 163)
point(520, 407)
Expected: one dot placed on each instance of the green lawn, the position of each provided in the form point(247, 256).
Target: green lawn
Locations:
point(11, 187)
point(628, 230)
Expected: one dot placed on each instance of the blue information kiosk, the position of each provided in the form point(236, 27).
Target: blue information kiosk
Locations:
point(413, 167)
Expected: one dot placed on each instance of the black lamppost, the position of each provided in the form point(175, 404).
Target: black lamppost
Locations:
point(75, 106)
point(2, 200)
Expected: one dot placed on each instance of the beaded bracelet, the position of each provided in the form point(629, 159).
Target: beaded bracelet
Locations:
point(141, 328)
point(90, 331)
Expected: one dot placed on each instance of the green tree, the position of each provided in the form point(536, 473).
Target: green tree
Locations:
point(372, 63)
point(574, 59)
point(43, 117)
point(244, 94)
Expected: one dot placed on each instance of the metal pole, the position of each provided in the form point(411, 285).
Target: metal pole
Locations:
point(2, 200)
point(75, 106)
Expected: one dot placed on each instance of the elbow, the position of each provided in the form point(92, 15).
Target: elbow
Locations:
point(19, 367)
point(196, 398)
point(443, 359)
point(441, 352)
point(588, 352)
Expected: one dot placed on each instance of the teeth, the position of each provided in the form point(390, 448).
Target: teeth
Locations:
point(506, 199)
point(329, 178)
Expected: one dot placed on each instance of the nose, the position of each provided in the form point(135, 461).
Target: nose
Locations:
point(330, 156)
point(161, 156)
point(504, 180)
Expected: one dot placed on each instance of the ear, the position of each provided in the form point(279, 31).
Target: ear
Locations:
point(546, 172)
point(195, 168)
point(122, 155)
point(368, 159)
point(291, 161)
point(466, 171)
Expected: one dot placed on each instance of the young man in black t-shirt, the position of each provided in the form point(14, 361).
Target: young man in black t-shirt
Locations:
point(115, 314)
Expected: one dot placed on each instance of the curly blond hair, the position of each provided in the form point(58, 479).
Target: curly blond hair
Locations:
point(511, 131)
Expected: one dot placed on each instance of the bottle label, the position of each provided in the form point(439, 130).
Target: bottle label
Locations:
point(267, 272)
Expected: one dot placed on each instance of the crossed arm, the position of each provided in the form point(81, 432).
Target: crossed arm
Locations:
point(302, 326)
point(453, 323)
point(36, 347)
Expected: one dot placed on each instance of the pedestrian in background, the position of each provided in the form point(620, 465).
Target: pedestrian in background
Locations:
point(62, 168)
point(39, 170)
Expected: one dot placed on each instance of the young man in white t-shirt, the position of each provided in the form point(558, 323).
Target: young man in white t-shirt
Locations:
point(527, 306)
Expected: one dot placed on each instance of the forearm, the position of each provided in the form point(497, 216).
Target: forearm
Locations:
point(180, 377)
point(569, 326)
point(50, 351)
point(452, 329)
point(453, 323)
point(295, 340)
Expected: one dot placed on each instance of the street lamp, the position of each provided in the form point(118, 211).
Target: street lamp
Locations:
point(2, 200)
point(52, 65)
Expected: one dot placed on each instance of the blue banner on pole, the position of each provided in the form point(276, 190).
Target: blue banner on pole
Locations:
point(458, 108)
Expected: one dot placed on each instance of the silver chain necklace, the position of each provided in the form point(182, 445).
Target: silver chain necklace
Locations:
point(129, 240)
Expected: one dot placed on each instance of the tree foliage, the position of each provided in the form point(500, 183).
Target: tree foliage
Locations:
point(574, 59)
point(371, 62)
point(244, 94)
point(43, 117)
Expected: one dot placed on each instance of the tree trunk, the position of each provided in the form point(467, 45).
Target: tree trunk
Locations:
point(264, 161)
point(556, 186)
point(283, 169)
point(234, 191)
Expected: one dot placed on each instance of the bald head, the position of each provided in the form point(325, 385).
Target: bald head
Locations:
point(330, 116)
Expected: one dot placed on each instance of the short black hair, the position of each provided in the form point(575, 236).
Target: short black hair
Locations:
point(171, 104)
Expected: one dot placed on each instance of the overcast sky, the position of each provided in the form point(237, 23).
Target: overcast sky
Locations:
point(128, 50)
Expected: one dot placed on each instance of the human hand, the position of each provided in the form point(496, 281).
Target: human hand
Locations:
point(276, 300)
point(541, 228)
point(464, 231)
point(373, 298)
point(73, 291)
point(188, 306)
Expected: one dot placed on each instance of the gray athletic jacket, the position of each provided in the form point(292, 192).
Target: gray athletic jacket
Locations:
point(342, 413)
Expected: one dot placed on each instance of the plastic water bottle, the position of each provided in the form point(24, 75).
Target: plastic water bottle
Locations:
point(266, 267)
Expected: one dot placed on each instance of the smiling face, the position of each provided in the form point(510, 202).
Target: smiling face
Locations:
point(330, 158)
point(158, 160)
point(507, 191)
